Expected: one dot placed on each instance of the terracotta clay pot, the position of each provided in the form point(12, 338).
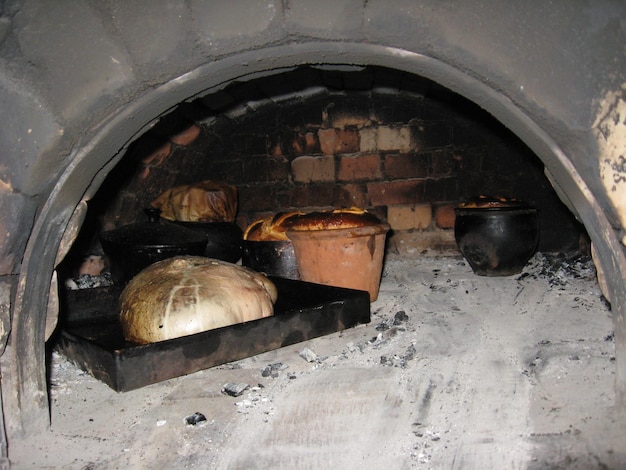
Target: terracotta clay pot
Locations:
point(350, 257)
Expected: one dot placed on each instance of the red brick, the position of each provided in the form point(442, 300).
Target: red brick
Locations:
point(410, 216)
point(441, 189)
point(257, 198)
point(307, 169)
point(396, 192)
point(154, 160)
point(295, 196)
point(352, 195)
point(157, 157)
point(445, 216)
point(324, 194)
point(337, 141)
point(312, 142)
point(299, 143)
point(359, 168)
point(445, 163)
point(187, 136)
point(265, 169)
point(406, 165)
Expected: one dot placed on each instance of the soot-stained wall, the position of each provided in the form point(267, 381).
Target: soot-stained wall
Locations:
point(397, 145)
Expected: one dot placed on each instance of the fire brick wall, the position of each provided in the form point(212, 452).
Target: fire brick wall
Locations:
point(409, 153)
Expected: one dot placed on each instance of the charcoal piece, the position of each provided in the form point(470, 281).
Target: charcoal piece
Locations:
point(400, 317)
point(195, 418)
point(234, 390)
point(410, 353)
point(272, 370)
point(383, 326)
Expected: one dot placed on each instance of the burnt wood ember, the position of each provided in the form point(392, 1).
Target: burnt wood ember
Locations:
point(195, 418)
point(234, 390)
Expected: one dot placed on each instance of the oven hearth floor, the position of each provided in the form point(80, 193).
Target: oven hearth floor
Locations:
point(454, 371)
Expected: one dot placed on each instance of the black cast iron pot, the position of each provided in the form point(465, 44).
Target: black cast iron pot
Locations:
point(497, 240)
point(224, 239)
point(274, 258)
point(133, 247)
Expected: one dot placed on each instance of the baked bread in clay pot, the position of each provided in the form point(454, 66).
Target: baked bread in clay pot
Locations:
point(271, 228)
point(333, 220)
point(190, 294)
point(267, 249)
point(343, 248)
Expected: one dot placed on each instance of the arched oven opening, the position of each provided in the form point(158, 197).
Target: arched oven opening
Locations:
point(321, 137)
point(305, 125)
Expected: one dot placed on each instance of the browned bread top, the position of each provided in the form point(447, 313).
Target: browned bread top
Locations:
point(332, 220)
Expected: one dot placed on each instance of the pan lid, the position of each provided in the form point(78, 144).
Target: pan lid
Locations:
point(154, 232)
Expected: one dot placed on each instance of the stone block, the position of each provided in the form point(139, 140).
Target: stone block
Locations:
point(75, 90)
point(134, 21)
point(327, 19)
point(218, 24)
point(21, 142)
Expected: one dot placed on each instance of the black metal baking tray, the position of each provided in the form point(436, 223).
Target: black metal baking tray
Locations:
point(91, 335)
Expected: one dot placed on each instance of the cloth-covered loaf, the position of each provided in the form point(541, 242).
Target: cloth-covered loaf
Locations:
point(206, 201)
point(190, 294)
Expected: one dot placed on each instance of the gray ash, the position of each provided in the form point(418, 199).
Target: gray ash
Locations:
point(558, 268)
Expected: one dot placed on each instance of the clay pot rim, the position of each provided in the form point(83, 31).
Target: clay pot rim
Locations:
point(504, 208)
point(278, 242)
point(351, 232)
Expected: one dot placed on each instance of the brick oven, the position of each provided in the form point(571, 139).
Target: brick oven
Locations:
point(402, 109)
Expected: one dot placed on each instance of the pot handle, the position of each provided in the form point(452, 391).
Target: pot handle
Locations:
point(154, 214)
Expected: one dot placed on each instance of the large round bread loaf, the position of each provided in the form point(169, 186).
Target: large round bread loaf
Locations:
point(190, 294)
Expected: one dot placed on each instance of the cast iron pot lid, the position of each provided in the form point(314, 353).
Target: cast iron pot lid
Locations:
point(155, 232)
